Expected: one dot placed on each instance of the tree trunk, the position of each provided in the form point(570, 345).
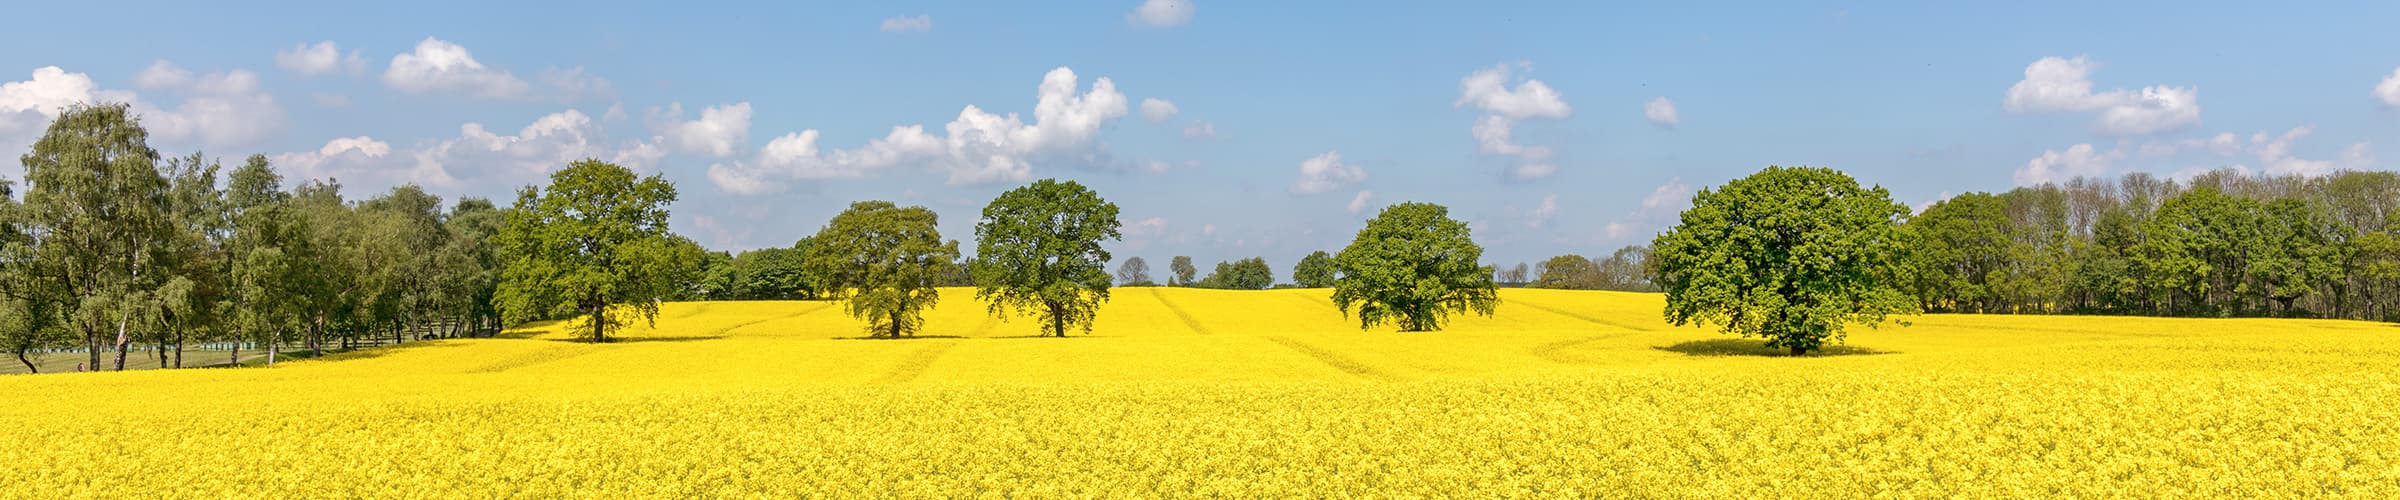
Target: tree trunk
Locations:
point(179, 337)
point(316, 338)
point(599, 321)
point(124, 337)
point(1058, 321)
point(91, 339)
point(29, 367)
point(235, 359)
point(273, 348)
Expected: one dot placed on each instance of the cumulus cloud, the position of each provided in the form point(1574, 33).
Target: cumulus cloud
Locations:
point(1201, 130)
point(1662, 203)
point(1661, 112)
point(476, 157)
point(224, 108)
point(1326, 172)
point(977, 147)
point(1359, 203)
point(440, 66)
point(1161, 13)
point(2389, 90)
point(1487, 90)
point(2080, 160)
point(319, 58)
point(908, 24)
point(27, 107)
point(720, 131)
point(1157, 110)
point(2054, 84)
point(1544, 213)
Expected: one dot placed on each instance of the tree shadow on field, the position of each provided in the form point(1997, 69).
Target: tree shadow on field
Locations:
point(1756, 347)
point(637, 340)
point(1051, 337)
point(914, 337)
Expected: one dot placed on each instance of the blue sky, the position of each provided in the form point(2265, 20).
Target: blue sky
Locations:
point(771, 116)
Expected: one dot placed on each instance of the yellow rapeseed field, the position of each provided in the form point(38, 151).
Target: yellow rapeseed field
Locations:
point(1221, 393)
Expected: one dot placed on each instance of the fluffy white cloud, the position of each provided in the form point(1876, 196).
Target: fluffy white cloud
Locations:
point(977, 147)
point(908, 24)
point(2054, 84)
point(224, 108)
point(1161, 13)
point(1359, 203)
point(1487, 90)
point(1157, 110)
point(2389, 90)
point(1326, 172)
point(476, 157)
point(440, 66)
point(1201, 130)
point(26, 107)
point(1661, 112)
point(2080, 160)
point(720, 131)
point(1663, 202)
point(1544, 213)
point(319, 58)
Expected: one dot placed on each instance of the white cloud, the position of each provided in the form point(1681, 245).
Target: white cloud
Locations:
point(1326, 172)
point(2054, 84)
point(2358, 157)
point(1661, 112)
point(2389, 90)
point(476, 157)
point(2275, 152)
point(720, 131)
point(1488, 90)
point(27, 107)
point(977, 147)
point(440, 66)
point(1145, 228)
point(1543, 214)
point(1157, 110)
point(1201, 130)
point(908, 24)
point(1662, 203)
point(319, 59)
point(1161, 13)
point(2080, 160)
point(1359, 203)
point(223, 108)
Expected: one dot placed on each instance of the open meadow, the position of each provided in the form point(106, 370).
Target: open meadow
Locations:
point(1229, 392)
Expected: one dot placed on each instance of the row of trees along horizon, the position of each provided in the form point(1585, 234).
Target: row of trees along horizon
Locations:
point(112, 249)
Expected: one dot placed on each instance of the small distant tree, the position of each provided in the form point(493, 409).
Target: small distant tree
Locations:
point(1181, 265)
point(1413, 265)
point(1789, 254)
point(1038, 250)
point(1314, 271)
point(1245, 274)
point(1135, 272)
point(1514, 276)
point(593, 245)
point(1568, 272)
point(886, 261)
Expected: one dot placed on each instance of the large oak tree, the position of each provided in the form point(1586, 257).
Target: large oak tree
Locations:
point(594, 245)
point(1793, 255)
point(1038, 251)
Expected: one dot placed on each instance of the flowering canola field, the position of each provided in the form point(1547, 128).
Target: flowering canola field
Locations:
point(1194, 392)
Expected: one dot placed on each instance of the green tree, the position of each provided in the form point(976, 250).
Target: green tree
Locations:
point(1962, 245)
point(1314, 271)
point(2192, 251)
point(775, 274)
point(1244, 274)
point(594, 245)
point(1793, 255)
point(1134, 272)
point(1413, 265)
point(2298, 251)
point(886, 261)
point(1038, 251)
point(98, 204)
point(1182, 266)
point(1568, 272)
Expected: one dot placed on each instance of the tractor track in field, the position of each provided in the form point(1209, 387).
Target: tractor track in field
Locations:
point(1330, 358)
point(547, 354)
point(1586, 318)
point(917, 362)
point(1188, 320)
point(720, 332)
point(1555, 351)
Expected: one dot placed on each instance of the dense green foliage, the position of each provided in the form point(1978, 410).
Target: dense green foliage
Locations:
point(593, 244)
point(885, 262)
point(1314, 271)
point(1038, 251)
point(1243, 274)
point(1413, 265)
point(1793, 255)
point(1183, 271)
